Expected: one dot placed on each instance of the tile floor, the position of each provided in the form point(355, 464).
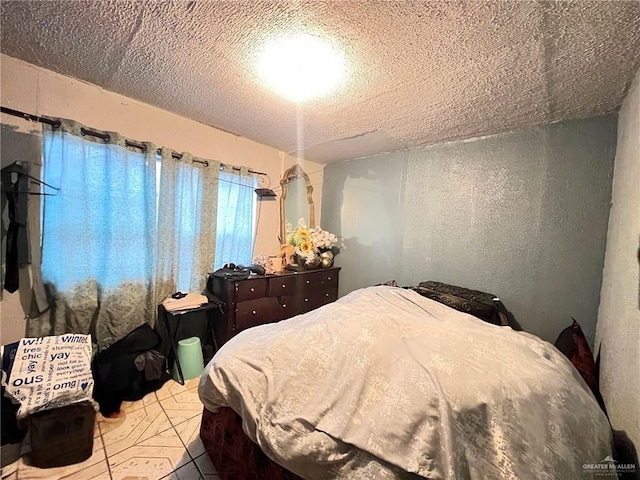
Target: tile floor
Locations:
point(158, 439)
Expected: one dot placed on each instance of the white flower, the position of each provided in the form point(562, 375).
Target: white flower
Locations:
point(308, 241)
point(323, 239)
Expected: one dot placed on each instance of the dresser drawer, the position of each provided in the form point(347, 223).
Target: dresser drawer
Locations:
point(265, 299)
point(264, 310)
point(247, 289)
point(313, 300)
point(253, 288)
point(320, 280)
point(302, 283)
point(286, 285)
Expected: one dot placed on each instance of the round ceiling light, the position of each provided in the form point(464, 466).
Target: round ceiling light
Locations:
point(301, 67)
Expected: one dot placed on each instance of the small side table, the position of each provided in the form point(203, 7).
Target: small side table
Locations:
point(174, 328)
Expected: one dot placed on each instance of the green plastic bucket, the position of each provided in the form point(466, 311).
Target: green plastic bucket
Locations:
point(190, 357)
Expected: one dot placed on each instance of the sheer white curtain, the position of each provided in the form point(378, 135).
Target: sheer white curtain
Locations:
point(99, 233)
point(187, 207)
point(236, 210)
point(128, 228)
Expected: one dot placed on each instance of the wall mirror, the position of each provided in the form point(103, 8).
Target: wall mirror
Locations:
point(296, 200)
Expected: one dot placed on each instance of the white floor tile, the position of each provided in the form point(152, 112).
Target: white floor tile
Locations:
point(139, 425)
point(186, 472)
point(183, 406)
point(154, 459)
point(189, 432)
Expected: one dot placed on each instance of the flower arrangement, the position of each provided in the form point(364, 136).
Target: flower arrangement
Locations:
point(309, 242)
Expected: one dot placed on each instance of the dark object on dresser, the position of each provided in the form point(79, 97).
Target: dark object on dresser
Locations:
point(231, 271)
point(257, 269)
point(484, 306)
point(234, 455)
point(61, 436)
point(263, 299)
point(116, 375)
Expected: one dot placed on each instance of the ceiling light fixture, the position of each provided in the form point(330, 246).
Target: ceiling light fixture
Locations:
point(301, 67)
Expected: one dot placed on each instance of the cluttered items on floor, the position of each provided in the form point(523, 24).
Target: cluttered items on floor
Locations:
point(12, 433)
point(50, 372)
point(54, 388)
point(49, 380)
point(69, 428)
point(128, 369)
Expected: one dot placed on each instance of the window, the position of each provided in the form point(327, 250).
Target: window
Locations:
point(104, 223)
point(236, 219)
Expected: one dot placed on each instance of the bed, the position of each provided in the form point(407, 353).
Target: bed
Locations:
point(384, 384)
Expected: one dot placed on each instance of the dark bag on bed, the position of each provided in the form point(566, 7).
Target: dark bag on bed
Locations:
point(476, 303)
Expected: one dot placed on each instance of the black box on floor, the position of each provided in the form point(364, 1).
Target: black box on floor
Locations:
point(61, 436)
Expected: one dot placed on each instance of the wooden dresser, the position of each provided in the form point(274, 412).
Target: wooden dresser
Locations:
point(269, 298)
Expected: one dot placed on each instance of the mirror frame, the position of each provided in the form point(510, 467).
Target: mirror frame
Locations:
point(294, 173)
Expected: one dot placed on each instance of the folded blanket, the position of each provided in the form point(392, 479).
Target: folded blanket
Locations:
point(191, 300)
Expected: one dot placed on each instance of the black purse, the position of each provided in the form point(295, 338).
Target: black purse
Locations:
point(231, 271)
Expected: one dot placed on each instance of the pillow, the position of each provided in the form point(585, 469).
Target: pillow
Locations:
point(476, 303)
point(390, 283)
point(575, 347)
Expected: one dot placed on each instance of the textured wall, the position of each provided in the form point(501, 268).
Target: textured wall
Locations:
point(362, 203)
point(618, 333)
point(522, 215)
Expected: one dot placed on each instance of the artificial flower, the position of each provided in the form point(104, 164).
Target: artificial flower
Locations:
point(308, 242)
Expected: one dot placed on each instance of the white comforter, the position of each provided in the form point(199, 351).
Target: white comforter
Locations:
point(385, 383)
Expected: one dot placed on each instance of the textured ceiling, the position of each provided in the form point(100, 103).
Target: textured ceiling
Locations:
point(420, 72)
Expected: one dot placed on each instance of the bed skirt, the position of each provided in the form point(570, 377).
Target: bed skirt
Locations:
point(236, 456)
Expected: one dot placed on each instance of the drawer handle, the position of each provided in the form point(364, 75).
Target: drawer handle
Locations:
point(284, 305)
point(308, 282)
point(329, 278)
point(326, 294)
point(284, 286)
point(253, 289)
point(253, 311)
point(306, 299)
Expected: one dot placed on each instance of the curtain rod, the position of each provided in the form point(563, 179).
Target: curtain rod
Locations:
point(106, 137)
